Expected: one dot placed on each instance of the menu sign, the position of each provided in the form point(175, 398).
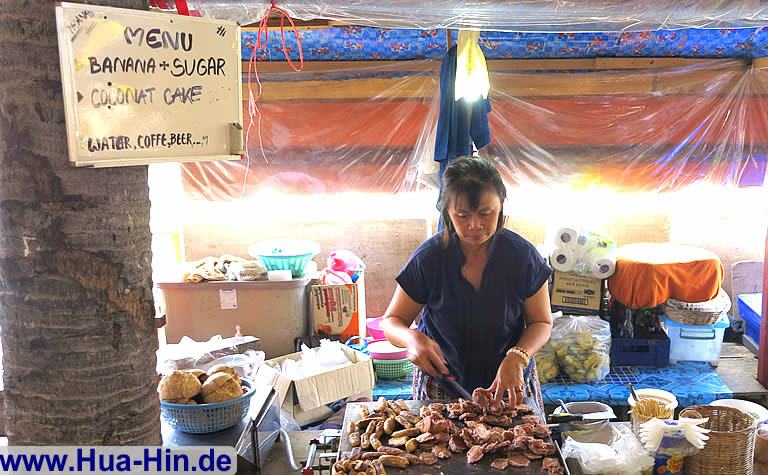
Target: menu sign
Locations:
point(143, 87)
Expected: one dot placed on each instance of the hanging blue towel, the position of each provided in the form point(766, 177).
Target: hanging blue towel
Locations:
point(460, 123)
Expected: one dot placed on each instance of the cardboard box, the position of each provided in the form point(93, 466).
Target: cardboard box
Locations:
point(305, 399)
point(573, 293)
point(338, 309)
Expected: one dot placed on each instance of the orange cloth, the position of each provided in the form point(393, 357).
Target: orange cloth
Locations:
point(648, 274)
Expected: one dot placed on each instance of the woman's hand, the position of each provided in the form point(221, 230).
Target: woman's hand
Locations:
point(510, 378)
point(425, 353)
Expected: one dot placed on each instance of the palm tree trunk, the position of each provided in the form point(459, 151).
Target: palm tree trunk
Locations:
point(76, 308)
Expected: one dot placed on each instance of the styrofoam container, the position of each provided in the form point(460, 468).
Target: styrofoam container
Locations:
point(695, 342)
point(274, 311)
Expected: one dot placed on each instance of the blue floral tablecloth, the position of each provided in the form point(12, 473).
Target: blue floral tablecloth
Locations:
point(393, 388)
point(691, 382)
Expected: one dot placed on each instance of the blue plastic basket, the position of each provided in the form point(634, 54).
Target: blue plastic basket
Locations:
point(285, 255)
point(205, 418)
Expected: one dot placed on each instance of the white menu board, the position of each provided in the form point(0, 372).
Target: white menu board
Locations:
point(143, 87)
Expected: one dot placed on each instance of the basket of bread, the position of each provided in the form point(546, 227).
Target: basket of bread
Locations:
point(198, 402)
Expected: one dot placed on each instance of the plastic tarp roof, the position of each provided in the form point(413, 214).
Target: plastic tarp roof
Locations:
point(373, 129)
point(524, 15)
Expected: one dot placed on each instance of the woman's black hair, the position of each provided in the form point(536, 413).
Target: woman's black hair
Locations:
point(469, 176)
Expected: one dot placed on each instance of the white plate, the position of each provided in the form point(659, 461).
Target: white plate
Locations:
point(384, 350)
point(658, 394)
point(758, 412)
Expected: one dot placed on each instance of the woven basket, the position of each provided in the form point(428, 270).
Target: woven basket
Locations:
point(731, 445)
point(392, 369)
point(699, 313)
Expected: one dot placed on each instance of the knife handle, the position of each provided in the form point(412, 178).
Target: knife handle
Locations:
point(564, 417)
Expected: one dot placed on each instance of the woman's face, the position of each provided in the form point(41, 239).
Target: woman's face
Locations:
point(475, 226)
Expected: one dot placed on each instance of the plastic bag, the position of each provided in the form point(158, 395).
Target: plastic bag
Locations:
point(624, 456)
point(333, 277)
point(329, 356)
point(189, 354)
point(342, 260)
point(546, 363)
point(583, 347)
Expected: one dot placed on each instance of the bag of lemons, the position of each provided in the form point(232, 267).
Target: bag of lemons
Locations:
point(546, 364)
point(582, 346)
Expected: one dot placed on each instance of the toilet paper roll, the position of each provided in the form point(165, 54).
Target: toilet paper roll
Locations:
point(603, 268)
point(562, 259)
point(603, 262)
point(566, 238)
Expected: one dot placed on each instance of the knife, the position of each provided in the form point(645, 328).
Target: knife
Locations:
point(451, 383)
point(568, 417)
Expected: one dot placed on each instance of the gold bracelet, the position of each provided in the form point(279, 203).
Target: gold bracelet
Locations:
point(521, 353)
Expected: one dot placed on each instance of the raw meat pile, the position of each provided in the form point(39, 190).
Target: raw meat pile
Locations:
point(393, 436)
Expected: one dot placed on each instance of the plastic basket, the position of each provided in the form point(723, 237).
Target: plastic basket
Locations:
point(392, 369)
point(285, 255)
point(205, 418)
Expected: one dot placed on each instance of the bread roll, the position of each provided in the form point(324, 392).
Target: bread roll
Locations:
point(199, 374)
point(220, 387)
point(222, 368)
point(178, 385)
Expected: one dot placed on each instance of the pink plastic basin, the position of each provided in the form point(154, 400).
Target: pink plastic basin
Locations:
point(374, 328)
point(384, 350)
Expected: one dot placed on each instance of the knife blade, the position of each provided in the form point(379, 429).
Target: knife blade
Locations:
point(451, 383)
point(561, 417)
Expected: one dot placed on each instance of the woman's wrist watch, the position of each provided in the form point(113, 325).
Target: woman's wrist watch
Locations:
point(516, 350)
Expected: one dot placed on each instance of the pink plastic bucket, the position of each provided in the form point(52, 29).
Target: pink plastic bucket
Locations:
point(374, 328)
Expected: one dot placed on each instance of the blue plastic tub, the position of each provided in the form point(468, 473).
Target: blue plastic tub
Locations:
point(750, 310)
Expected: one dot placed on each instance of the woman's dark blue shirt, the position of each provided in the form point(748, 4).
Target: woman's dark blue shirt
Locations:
point(474, 327)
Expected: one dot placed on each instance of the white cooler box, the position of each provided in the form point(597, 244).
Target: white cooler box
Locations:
point(273, 311)
point(695, 342)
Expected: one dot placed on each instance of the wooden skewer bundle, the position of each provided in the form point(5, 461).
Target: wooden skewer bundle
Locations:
point(647, 409)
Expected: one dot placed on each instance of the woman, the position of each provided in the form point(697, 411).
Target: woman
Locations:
point(480, 291)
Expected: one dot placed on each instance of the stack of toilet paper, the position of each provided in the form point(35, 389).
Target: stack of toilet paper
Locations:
point(586, 253)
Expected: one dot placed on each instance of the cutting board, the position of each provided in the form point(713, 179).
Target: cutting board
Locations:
point(457, 464)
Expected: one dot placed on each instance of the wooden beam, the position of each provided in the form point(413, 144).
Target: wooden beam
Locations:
point(587, 64)
point(651, 63)
point(354, 89)
point(517, 84)
point(760, 63)
point(327, 66)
